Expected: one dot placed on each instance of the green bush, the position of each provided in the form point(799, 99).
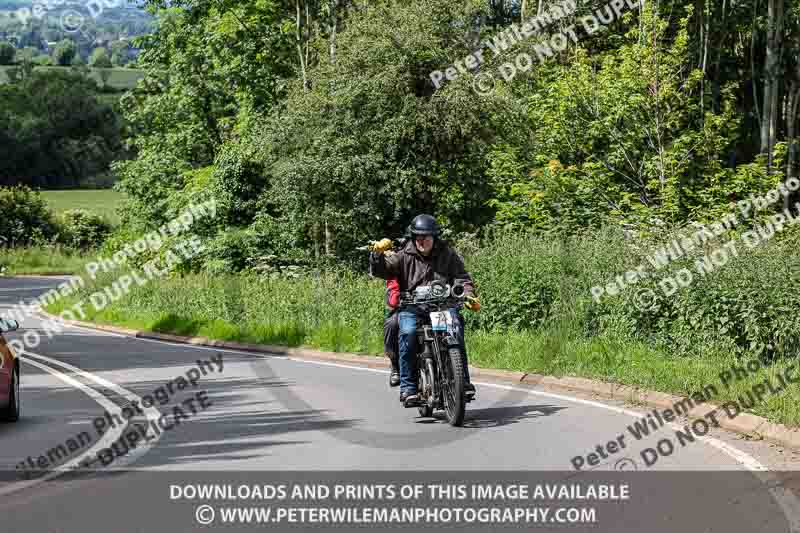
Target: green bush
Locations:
point(25, 217)
point(743, 307)
point(528, 281)
point(7, 53)
point(82, 229)
point(746, 306)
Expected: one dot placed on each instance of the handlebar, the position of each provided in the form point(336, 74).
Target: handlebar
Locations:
point(436, 293)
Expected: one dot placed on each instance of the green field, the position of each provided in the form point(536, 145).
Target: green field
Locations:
point(100, 201)
point(121, 78)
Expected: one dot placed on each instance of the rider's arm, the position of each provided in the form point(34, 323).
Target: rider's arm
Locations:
point(383, 266)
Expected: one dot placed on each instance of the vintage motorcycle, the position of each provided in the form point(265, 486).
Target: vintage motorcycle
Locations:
point(440, 359)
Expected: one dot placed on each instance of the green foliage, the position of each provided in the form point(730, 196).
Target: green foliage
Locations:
point(237, 183)
point(100, 58)
point(64, 53)
point(26, 219)
point(744, 307)
point(147, 183)
point(619, 134)
point(53, 130)
point(82, 229)
point(369, 143)
point(7, 53)
point(43, 259)
point(44, 60)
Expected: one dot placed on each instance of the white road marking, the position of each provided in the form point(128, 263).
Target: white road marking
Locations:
point(151, 412)
point(105, 441)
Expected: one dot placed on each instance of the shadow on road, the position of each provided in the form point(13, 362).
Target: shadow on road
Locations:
point(497, 416)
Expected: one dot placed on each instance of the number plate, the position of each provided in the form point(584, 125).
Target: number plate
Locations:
point(440, 320)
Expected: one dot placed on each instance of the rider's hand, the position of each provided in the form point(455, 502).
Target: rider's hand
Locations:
point(472, 303)
point(381, 246)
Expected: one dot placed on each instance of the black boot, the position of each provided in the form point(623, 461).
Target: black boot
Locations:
point(394, 376)
point(409, 399)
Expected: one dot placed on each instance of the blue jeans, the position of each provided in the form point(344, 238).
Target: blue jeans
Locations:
point(408, 347)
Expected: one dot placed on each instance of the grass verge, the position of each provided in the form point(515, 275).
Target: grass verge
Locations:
point(42, 260)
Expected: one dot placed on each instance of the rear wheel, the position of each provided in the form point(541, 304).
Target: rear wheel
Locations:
point(11, 412)
point(453, 388)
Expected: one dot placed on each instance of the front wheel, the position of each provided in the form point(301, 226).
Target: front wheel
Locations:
point(453, 388)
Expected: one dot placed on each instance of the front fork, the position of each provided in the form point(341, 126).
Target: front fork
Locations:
point(429, 389)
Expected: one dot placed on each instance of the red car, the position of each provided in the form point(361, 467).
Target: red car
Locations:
point(9, 375)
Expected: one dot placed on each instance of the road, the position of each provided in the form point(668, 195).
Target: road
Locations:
point(256, 418)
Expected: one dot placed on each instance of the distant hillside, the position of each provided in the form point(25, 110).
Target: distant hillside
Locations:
point(127, 11)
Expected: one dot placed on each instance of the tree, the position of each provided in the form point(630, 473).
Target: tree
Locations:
point(363, 141)
point(7, 53)
point(53, 130)
point(64, 53)
point(100, 58)
point(43, 60)
point(119, 53)
point(772, 79)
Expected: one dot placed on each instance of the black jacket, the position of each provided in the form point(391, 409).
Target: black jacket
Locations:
point(413, 269)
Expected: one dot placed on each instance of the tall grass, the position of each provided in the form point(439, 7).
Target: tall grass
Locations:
point(42, 260)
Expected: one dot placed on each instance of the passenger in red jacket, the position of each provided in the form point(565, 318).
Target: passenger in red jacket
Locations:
point(391, 330)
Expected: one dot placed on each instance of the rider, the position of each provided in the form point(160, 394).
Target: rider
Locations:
point(391, 322)
point(422, 260)
point(391, 329)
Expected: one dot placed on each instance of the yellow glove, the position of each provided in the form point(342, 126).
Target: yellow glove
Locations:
point(381, 246)
point(472, 304)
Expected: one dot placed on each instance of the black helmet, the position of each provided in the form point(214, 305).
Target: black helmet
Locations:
point(424, 225)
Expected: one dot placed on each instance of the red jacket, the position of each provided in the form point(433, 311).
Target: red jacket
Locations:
point(392, 292)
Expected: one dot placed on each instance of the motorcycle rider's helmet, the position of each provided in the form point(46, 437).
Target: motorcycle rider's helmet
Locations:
point(424, 225)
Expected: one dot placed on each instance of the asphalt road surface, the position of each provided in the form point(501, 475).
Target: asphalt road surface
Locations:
point(203, 415)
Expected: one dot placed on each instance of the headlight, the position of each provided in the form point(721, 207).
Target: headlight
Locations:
point(439, 290)
point(458, 290)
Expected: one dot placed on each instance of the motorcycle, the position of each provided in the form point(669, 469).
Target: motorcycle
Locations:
point(440, 359)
